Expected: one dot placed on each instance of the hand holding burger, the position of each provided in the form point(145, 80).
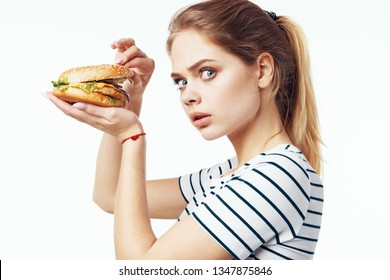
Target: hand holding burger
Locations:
point(107, 97)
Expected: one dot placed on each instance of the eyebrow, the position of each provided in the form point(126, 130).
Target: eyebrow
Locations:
point(194, 66)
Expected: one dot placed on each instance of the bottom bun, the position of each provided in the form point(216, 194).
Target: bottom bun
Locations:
point(73, 95)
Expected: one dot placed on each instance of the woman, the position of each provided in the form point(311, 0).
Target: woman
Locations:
point(242, 73)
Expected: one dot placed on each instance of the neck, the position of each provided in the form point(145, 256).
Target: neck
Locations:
point(263, 133)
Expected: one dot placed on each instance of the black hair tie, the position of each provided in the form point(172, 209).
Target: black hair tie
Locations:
point(272, 15)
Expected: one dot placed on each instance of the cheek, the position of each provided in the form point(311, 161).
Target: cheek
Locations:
point(239, 81)
point(242, 103)
point(239, 93)
point(238, 109)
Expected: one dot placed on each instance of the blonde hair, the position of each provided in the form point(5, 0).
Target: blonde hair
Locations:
point(245, 30)
point(304, 125)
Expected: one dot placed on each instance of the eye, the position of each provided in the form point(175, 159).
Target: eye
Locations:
point(207, 74)
point(180, 83)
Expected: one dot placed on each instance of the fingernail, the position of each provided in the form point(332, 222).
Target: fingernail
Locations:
point(79, 105)
point(119, 60)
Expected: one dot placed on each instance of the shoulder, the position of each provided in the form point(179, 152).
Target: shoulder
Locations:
point(284, 168)
point(287, 158)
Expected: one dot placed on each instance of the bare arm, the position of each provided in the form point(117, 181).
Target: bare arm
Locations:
point(164, 197)
point(107, 172)
point(134, 236)
point(108, 164)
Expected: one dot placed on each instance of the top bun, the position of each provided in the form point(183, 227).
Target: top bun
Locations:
point(95, 73)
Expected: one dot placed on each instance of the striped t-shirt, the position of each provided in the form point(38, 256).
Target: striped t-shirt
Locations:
point(270, 208)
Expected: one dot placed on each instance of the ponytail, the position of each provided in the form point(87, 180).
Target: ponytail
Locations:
point(304, 126)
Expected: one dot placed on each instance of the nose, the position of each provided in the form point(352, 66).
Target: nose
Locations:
point(190, 96)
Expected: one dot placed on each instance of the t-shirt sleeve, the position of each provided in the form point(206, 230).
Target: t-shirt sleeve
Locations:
point(194, 183)
point(191, 184)
point(266, 204)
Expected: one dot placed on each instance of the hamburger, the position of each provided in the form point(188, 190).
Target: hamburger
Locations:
point(96, 84)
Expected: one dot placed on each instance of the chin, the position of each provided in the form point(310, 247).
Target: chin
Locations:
point(210, 135)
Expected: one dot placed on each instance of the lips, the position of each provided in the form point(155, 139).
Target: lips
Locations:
point(200, 119)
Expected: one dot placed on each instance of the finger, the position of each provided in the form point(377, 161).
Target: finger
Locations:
point(140, 65)
point(77, 111)
point(98, 112)
point(122, 44)
point(66, 108)
point(111, 120)
point(92, 115)
point(62, 105)
point(128, 55)
point(82, 111)
point(132, 52)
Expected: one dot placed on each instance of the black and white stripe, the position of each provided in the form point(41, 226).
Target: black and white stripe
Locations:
point(270, 209)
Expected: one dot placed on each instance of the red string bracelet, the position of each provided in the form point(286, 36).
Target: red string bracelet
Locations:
point(134, 137)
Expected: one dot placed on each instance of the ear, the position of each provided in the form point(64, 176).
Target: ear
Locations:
point(265, 64)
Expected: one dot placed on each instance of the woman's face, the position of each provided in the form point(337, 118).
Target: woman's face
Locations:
point(218, 91)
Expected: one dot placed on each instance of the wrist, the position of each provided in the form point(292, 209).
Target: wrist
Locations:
point(130, 133)
point(133, 137)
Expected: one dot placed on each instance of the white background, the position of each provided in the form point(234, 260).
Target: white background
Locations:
point(47, 160)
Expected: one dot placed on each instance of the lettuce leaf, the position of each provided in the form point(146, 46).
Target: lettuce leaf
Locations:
point(61, 84)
